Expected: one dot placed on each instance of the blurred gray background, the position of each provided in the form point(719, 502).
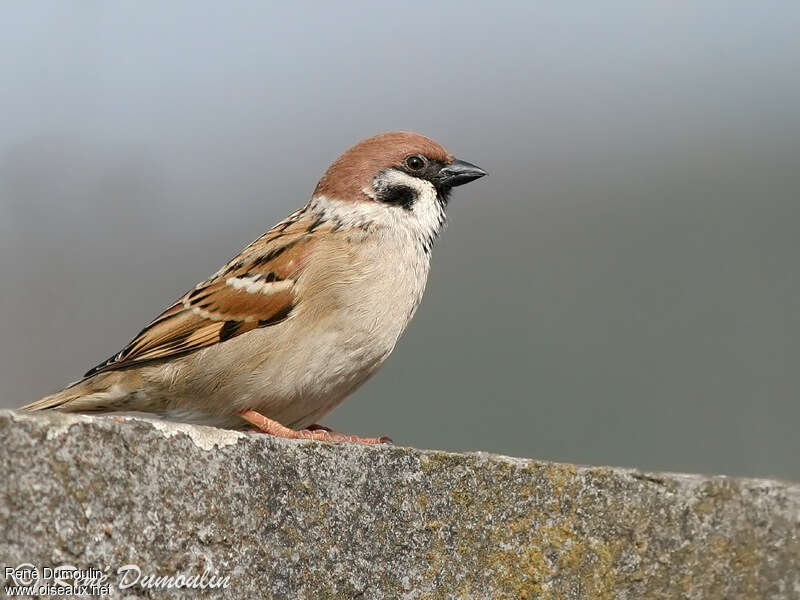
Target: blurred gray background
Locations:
point(623, 289)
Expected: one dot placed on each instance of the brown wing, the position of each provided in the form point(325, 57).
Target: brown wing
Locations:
point(255, 289)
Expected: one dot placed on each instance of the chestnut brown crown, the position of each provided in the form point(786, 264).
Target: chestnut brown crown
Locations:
point(354, 171)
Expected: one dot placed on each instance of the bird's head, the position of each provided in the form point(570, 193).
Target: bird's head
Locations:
point(399, 175)
point(395, 168)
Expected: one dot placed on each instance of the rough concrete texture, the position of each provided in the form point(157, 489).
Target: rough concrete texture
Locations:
point(294, 519)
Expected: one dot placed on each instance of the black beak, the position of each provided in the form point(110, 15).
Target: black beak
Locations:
point(459, 172)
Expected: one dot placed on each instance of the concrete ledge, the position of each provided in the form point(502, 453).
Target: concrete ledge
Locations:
point(286, 519)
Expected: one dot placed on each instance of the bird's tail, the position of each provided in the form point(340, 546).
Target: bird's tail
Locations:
point(102, 393)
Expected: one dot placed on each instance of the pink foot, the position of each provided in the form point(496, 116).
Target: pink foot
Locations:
point(314, 432)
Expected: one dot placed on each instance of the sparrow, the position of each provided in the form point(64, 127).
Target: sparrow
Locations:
point(304, 315)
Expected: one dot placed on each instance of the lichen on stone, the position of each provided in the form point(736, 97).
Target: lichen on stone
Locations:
point(299, 519)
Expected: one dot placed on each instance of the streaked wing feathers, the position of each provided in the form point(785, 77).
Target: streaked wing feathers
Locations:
point(255, 289)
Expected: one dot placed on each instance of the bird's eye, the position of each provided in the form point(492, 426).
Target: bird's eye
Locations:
point(415, 162)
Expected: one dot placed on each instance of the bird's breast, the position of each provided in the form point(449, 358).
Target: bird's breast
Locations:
point(368, 291)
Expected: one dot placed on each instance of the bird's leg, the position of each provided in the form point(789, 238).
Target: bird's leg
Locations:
point(315, 432)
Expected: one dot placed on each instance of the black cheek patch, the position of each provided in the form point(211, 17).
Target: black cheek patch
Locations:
point(400, 195)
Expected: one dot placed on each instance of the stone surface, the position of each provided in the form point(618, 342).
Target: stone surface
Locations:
point(294, 519)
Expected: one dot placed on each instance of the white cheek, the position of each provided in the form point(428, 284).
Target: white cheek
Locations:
point(421, 222)
point(427, 212)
